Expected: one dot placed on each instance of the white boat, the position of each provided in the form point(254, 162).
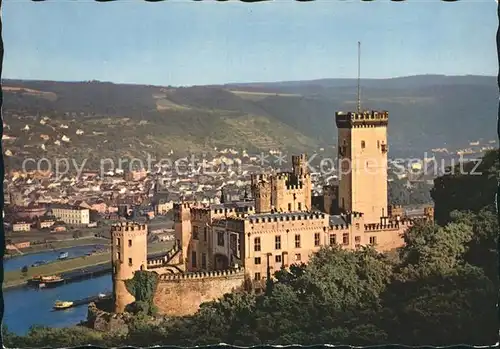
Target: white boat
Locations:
point(63, 255)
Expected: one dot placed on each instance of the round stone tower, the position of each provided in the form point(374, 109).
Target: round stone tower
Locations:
point(129, 253)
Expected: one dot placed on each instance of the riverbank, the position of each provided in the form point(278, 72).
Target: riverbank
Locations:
point(17, 278)
point(59, 245)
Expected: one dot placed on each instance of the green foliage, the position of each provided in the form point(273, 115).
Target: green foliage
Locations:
point(471, 190)
point(142, 286)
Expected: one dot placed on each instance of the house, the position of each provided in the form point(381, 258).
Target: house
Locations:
point(21, 226)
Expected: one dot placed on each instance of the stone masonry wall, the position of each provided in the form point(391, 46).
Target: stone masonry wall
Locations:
point(182, 294)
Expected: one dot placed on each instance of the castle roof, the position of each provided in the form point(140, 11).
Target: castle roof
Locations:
point(337, 220)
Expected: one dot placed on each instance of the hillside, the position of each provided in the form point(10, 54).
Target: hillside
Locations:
point(132, 120)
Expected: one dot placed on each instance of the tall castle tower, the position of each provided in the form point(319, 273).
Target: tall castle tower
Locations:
point(129, 253)
point(183, 228)
point(362, 147)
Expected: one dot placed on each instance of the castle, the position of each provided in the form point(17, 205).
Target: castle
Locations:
point(220, 247)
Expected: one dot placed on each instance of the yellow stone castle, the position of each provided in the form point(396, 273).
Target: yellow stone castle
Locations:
point(221, 247)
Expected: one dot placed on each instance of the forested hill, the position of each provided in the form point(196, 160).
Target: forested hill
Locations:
point(425, 112)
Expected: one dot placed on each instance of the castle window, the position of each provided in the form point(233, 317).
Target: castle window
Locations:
point(193, 259)
point(277, 258)
point(195, 233)
point(203, 260)
point(357, 239)
point(117, 241)
point(257, 260)
point(363, 145)
point(256, 244)
point(345, 239)
point(130, 261)
point(316, 239)
point(298, 257)
point(373, 240)
point(233, 242)
point(378, 144)
point(297, 240)
point(205, 234)
point(357, 225)
point(257, 276)
point(290, 207)
point(299, 206)
point(118, 256)
point(277, 242)
point(129, 243)
point(220, 238)
point(333, 239)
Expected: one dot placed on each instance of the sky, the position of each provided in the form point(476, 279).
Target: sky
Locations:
point(184, 42)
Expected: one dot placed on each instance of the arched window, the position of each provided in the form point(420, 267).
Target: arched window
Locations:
point(363, 145)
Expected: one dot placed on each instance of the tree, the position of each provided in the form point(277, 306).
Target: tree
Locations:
point(142, 286)
point(469, 188)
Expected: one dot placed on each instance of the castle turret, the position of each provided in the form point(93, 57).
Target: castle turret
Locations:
point(261, 192)
point(300, 165)
point(129, 253)
point(182, 227)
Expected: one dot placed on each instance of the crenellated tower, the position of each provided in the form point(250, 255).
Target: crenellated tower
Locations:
point(183, 228)
point(261, 192)
point(303, 178)
point(362, 152)
point(285, 191)
point(128, 254)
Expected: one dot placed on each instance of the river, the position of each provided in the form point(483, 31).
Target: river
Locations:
point(17, 262)
point(25, 307)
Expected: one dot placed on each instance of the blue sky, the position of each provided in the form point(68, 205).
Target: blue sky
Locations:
point(195, 43)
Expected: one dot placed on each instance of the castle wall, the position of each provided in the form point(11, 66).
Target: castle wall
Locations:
point(181, 295)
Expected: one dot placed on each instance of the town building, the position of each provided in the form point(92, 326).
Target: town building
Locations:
point(135, 175)
point(71, 214)
point(21, 226)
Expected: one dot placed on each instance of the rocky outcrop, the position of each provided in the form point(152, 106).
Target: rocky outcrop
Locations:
point(115, 324)
point(103, 321)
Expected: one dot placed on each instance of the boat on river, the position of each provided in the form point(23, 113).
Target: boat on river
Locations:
point(46, 281)
point(63, 255)
point(59, 305)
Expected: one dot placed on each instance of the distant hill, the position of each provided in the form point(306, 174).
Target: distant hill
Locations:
point(425, 111)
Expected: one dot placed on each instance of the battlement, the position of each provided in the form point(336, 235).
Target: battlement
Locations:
point(390, 226)
point(370, 118)
point(157, 262)
point(256, 178)
point(299, 159)
point(295, 187)
point(343, 226)
point(289, 216)
point(128, 226)
point(183, 205)
point(282, 176)
point(234, 210)
point(203, 275)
